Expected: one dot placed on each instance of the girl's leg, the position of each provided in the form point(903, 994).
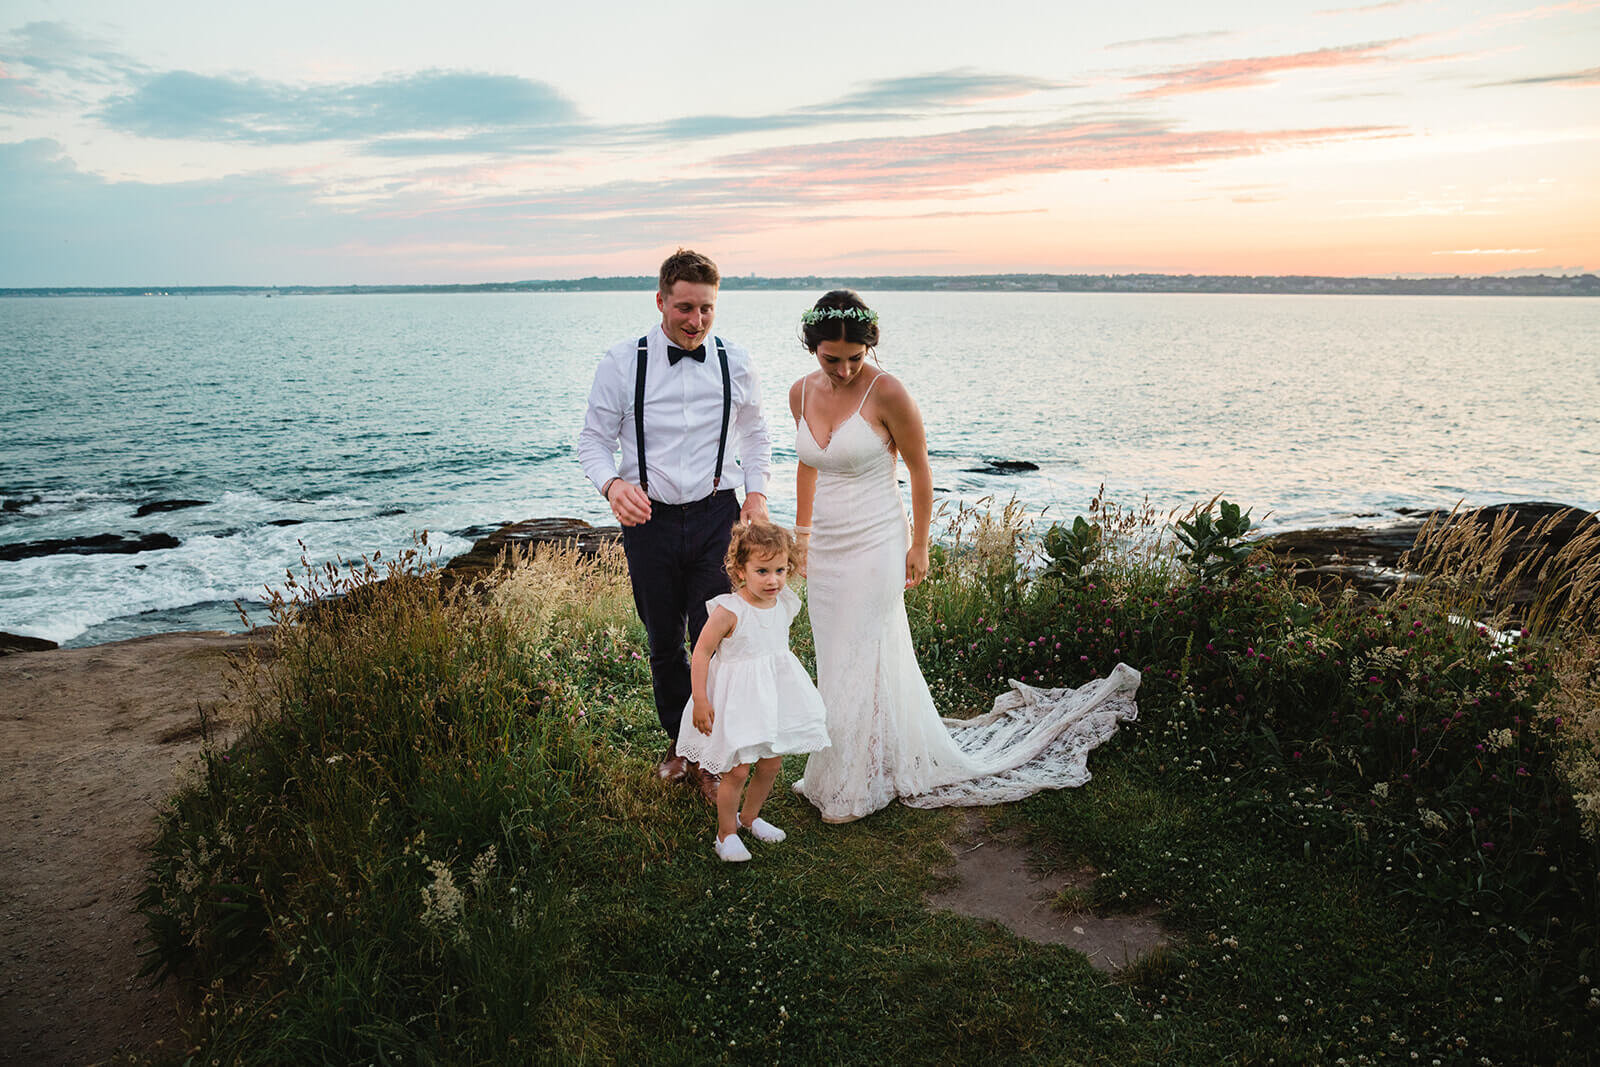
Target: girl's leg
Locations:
point(760, 785)
point(728, 799)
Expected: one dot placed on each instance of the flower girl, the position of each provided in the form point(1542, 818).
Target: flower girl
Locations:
point(753, 702)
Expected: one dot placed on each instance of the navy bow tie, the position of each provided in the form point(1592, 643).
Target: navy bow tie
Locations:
point(674, 353)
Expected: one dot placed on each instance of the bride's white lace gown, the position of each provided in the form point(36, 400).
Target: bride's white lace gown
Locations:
point(888, 738)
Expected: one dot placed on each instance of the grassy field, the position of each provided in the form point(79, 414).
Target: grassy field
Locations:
point(1372, 828)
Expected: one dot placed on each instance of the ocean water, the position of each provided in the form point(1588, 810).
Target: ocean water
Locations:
point(336, 426)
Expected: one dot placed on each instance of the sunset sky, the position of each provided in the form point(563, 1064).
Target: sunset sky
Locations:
point(334, 143)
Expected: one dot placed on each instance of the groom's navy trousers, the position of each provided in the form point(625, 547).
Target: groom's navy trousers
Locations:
point(675, 563)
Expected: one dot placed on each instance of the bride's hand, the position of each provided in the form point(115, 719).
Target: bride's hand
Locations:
point(916, 565)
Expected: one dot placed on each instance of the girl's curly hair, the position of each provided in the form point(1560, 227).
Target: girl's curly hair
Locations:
point(759, 538)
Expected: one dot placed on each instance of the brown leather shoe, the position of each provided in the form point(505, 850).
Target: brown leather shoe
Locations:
point(708, 781)
point(673, 767)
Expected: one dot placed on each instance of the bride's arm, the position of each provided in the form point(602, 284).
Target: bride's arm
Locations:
point(805, 485)
point(904, 423)
point(805, 491)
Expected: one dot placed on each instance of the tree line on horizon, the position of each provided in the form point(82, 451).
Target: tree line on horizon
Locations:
point(1482, 285)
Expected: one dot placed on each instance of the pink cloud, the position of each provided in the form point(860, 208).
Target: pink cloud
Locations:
point(1242, 73)
point(955, 164)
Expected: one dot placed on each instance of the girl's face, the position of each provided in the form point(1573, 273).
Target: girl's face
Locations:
point(841, 361)
point(764, 576)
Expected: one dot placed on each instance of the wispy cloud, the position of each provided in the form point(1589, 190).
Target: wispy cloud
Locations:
point(1258, 70)
point(1176, 38)
point(469, 113)
point(940, 90)
point(48, 64)
point(955, 164)
point(185, 105)
point(883, 100)
point(1577, 77)
point(1383, 5)
point(1510, 18)
point(47, 48)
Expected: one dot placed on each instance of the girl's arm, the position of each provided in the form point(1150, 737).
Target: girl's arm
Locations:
point(904, 422)
point(718, 625)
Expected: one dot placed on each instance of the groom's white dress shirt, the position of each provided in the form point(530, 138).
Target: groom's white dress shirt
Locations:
point(682, 416)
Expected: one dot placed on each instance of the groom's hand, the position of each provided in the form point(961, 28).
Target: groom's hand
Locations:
point(755, 507)
point(628, 503)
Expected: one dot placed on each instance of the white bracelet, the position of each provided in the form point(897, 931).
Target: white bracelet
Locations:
point(802, 531)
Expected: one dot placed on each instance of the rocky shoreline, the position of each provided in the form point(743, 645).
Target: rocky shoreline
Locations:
point(1365, 557)
point(1368, 558)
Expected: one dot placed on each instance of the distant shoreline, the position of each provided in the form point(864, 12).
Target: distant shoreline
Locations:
point(1294, 284)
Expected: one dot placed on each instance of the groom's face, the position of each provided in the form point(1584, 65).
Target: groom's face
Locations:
point(686, 312)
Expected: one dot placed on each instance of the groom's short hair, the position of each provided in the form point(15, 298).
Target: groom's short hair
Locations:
point(686, 266)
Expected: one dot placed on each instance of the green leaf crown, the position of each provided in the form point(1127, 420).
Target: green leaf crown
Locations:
point(816, 315)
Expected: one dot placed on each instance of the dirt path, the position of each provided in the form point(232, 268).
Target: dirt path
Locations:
point(91, 741)
point(998, 879)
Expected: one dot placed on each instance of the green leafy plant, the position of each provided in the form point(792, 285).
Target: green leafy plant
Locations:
point(1071, 549)
point(1212, 547)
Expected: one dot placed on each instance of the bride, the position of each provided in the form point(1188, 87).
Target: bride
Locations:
point(852, 421)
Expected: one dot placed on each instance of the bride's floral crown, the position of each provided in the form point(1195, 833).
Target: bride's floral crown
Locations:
point(816, 315)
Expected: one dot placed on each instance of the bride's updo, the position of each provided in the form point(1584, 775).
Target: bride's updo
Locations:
point(839, 316)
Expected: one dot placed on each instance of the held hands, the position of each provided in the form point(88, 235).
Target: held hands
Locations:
point(628, 502)
point(704, 716)
point(916, 565)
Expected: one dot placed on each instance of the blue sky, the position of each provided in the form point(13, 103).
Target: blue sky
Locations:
point(181, 143)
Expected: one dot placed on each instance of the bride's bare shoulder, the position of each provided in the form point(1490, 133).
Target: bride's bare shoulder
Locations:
point(890, 390)
point(796, 391)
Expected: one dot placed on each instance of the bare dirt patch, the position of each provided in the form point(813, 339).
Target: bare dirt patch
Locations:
point(999, 879)
point(92, 740)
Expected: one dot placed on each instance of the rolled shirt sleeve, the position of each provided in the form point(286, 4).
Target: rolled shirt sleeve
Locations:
point(750, 429)
point(609, 403)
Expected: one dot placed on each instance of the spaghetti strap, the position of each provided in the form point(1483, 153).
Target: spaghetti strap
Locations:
point(863, 395)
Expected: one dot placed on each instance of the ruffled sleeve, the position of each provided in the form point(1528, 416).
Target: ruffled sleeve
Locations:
point(790, 601)
point(731, 601)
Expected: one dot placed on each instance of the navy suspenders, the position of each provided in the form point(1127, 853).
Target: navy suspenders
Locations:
point(727, 404)
point(638, 411)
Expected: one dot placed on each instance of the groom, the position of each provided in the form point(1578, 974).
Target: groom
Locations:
point(679, 402)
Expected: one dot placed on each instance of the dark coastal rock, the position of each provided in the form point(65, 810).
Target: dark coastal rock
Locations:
point(10, 643)
point(167, 505)
point(285, 522)
point(1368, 557)
point(95, 544)
point(391, 512)
point(483, 555)
point(1003, 466)
point(15, 504)
point(474, 533)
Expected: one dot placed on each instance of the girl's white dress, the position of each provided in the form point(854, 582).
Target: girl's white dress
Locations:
point(889, 739)
point(763, 698)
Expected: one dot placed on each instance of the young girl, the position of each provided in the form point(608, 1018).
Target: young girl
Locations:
point(753, 701)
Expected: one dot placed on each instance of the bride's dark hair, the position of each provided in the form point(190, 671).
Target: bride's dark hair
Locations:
point(860, 328)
